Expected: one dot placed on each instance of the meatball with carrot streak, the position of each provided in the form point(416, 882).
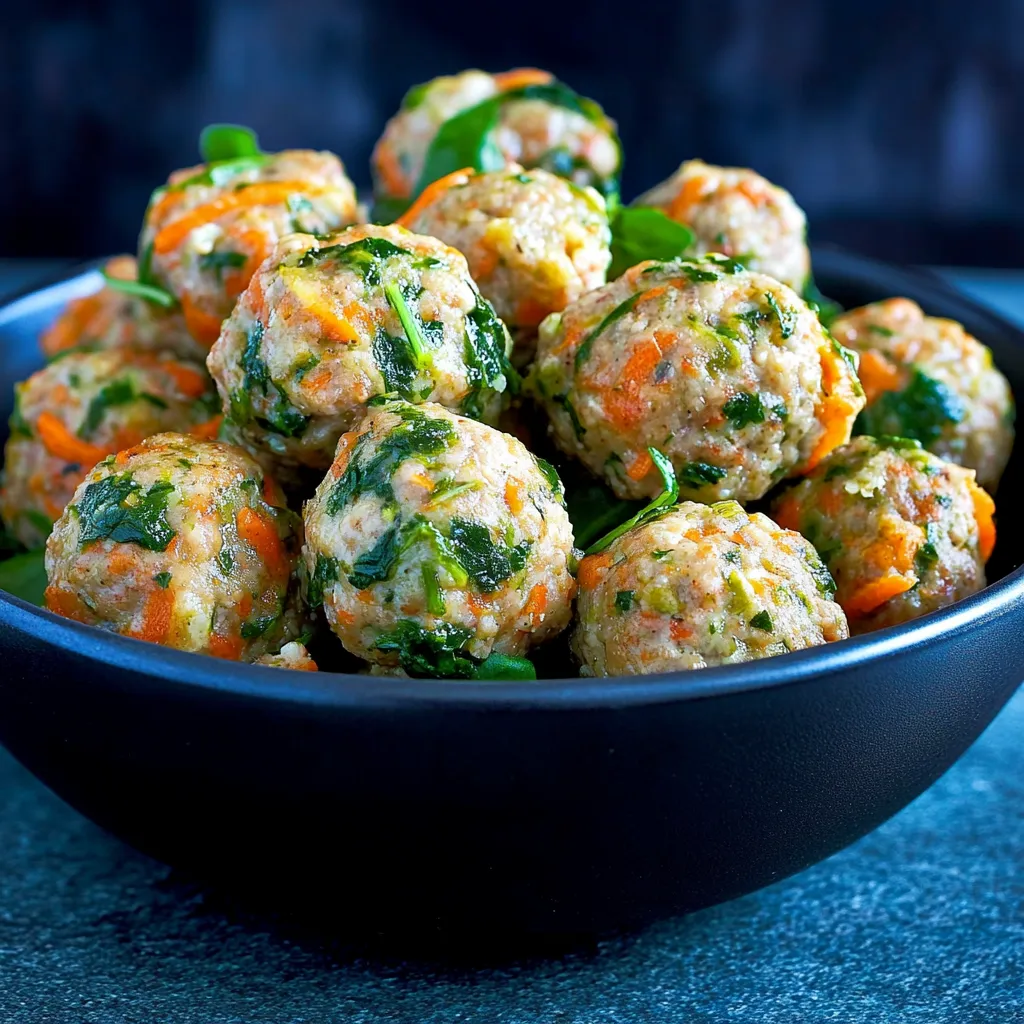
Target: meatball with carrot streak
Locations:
point(524, 116)
point(112, 318)
point(701, 585)
point(105, 319)
point(436, 542)
point(183, 543)
point(738, 213)
point(726, 372)
point(209, 228)
point(902, 531)
point(927, 378)
point(83, 407)
point(328, 324)
point(534, 242)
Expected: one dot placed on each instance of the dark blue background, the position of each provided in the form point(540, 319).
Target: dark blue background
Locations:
point(897, 125)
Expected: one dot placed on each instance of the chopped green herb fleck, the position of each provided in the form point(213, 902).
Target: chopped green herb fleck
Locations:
point(624, 600)
point(763, 621)
point(116, 508)
point(162, 579)
point(743, 409)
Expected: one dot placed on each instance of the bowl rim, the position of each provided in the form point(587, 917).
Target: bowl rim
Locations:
point(341, 690)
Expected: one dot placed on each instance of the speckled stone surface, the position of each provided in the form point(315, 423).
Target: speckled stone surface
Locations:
point(922, 921)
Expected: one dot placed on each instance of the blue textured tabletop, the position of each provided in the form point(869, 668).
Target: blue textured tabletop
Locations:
point(921, 921)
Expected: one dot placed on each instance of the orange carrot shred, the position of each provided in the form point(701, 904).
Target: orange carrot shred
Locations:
point(878, 375)
point(519, 77)
point(513, 496)
point(873, 594)
point(62, 444)
point(434, 191)
point(256, 531)
point(156, 617)
point(589, 574)
point(984, 510)
point(203, 326)
point(536, 602)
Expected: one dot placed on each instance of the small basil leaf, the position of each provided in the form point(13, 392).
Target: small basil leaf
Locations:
point(645, 233)
point(505, 666)
point(465, 140)
point(227, 142)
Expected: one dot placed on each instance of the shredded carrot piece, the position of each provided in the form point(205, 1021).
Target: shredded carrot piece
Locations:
point(513, 496)
point(624, 405)
point(476, 603)
point(485, 261)
point(263, 193)
point(120, 562)
point(422, 480)
point(688, 196)
point(245, 606)
point(837, 409)
point(227, 647)
point(678, 630)
point(873, 594)
point(755, 191)
point(641, 465)
point(519, 77)
point(208, 430)
point(254, 244)
point(536, 602)
point(65, 603)
point(344, 616)
point(877, 375)
point(189, 381)
point(390, 170)
point(255, 530)
point(62, 444)
point(156, 617)
point(203, 326)
point(434, 191)
point(530, 312)
point(589, 574)
point(342, 453)
point(984, 510)
point(256, 299)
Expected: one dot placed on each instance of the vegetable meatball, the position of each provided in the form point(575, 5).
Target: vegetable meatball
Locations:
point(727, 372)
point(211, 226)
point(114, 318)
point(524, 116)
point(702, 585)
point(435, 542)
point(735, 211)
point(105, 319)
point(180, 542)
point(902, 531)
point(927, 378)
point(80, 409)
point(327, 324)
point(534, 242)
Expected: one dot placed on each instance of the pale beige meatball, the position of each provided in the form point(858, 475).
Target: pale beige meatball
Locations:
point(927, 378)
point(702, 585)
point(534, 242)
point(183, 543)
point(105, 319)
point(435, 541)
point(83, 407)
point(902, 531)
point(736, 212)
point(328, 324)
point(727, 372)
point(211, 226)
point(112, 318)
point(537, 122)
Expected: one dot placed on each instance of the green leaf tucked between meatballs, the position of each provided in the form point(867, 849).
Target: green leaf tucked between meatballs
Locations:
point(645, 233)
point(24, 576)
point(657, 508)
point(921, 411)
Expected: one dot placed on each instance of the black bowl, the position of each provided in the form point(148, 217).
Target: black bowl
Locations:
point(561, 806)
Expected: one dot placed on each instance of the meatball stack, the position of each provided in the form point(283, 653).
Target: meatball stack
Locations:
point(366, 368)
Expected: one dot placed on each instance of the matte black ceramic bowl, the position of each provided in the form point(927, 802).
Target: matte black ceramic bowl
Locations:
point(501, 808)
